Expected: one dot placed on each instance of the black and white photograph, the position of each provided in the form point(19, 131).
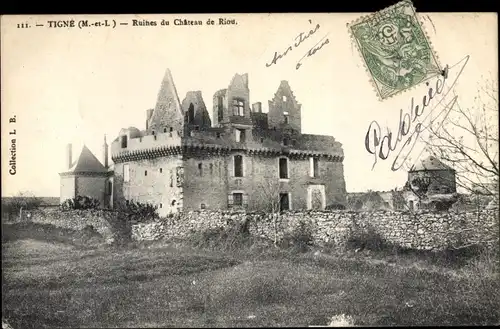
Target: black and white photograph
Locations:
point(250, 170)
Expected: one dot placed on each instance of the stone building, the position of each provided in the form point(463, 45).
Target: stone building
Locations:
point(87, 176)
point(429, 181)
point(437, 177)
point(240, 158)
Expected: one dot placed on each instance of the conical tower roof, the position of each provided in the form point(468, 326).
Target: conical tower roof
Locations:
point(87, 163)
point(168, 110)
point(429, 163)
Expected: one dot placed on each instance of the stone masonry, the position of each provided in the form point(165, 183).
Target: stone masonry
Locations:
point(423, 230)
point(241, 158)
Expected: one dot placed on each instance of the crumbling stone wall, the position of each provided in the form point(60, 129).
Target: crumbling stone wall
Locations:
point(74, 219)
point(422, 230)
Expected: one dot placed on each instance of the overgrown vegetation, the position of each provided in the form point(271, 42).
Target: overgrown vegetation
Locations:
point(299, 239)
point(24, 200)
point(127, 214)
point(80, 203)
point(226, 282)
point(138, 212)
point(234, 236)
point(87, 237)
point(175, 287)
point(367, 239)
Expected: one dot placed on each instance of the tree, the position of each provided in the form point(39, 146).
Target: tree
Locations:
point(271, 200)
point(24, 200)
point(468, 141)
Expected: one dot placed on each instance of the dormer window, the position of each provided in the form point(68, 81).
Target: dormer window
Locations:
point(238, 107)
point(164, 130)
point(285, 141)
point(124, 141)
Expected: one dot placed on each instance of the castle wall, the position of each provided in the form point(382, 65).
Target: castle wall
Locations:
point(205, 187)
point(261, 181)
point(149, 141)
point(335, 187)
point(148, 184)
point(91, 186)
point(67, 190)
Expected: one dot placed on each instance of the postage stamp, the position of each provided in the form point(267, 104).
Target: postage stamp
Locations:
point(395, 49)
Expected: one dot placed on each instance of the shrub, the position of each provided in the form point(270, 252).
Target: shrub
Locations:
point(127, 214)
point(80, 202)
point(234, 235)
point(335, 206)
point(367, 239)
point(137, 211)
point(299, 239)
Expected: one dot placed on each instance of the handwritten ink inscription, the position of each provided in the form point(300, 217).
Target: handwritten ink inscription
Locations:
point(381, 145)
point(299, 39)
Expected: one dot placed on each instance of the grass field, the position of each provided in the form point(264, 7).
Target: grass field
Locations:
point(49, 282)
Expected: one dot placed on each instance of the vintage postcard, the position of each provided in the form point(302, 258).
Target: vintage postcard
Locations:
point(256, 170)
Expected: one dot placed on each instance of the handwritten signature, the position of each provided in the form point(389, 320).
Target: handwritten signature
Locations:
point(299, 39)
point(381, 146)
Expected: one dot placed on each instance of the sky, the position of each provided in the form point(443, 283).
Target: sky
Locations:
point(70, 85)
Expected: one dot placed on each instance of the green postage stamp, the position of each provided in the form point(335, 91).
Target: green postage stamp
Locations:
point(395, 49)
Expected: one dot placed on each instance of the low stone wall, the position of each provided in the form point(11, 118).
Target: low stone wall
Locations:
point(74, 219)
point(424, 230)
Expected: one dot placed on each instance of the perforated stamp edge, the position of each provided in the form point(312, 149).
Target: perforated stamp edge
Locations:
point(367, 70)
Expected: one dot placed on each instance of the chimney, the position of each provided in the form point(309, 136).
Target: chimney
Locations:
point(69, 156)
point(149, 114)
point(257, 107)
point(105, 153)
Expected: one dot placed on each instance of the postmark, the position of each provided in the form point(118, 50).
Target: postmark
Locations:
point(395, 49)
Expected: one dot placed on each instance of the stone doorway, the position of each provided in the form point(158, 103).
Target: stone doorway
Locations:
point(316, 199)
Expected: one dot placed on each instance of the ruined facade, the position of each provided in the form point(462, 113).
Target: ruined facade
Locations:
point(240, 158)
